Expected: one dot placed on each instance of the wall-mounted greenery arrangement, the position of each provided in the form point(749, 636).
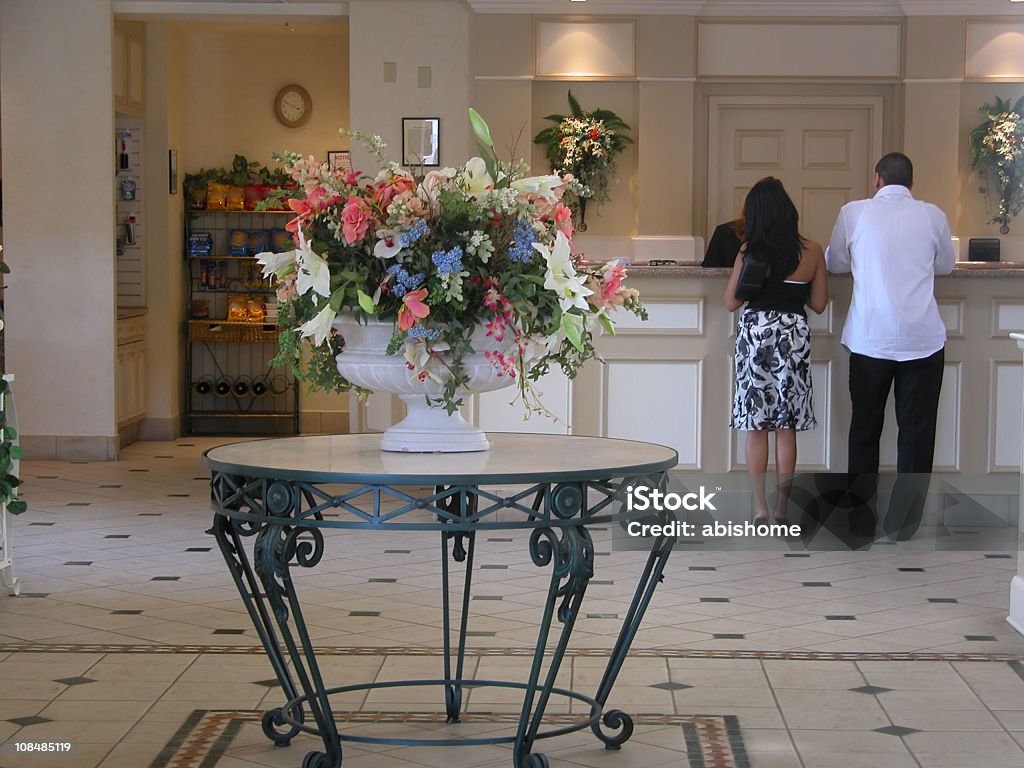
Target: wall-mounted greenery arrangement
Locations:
point(997, 156)
point(586, 145)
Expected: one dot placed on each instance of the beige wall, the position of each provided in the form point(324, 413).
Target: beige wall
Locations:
point(231, 77)
point(228, 88)
point(55, 82)
point(165, 124)
point(434, 34)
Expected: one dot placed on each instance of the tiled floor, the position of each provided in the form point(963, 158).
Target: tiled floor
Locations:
point(129, 642)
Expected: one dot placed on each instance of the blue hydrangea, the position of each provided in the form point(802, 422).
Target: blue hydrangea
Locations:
point(523, 238)
point(414, 233)
point(403, 280)
point(420, 332)
point(448, 262)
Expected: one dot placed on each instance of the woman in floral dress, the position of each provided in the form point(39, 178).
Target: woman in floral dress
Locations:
point(773, 343)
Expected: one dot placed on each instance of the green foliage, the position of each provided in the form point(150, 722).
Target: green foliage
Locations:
point(9, 453)
point(586, 145)
point(241, 173)
point(997, 156)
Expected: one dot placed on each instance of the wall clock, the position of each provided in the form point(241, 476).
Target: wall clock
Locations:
point(293, 106)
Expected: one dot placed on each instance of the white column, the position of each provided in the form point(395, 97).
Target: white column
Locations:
point(58, 161)
point(1016, 617)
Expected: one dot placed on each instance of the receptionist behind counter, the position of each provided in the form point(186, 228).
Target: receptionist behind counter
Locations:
point(724, 245)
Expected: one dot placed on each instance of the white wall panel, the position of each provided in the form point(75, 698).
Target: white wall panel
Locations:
point(495, 411)
point(781, 50)
point(657, 402)
point(994, 50)
point(1007, 317)
point(1006, 416)
point(588, 48)
point(952, 314)
point(379, 412)
point(821, 325)
point(680, 316)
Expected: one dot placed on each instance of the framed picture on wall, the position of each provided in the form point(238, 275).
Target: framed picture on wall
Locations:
point(339, 160)
point(421, 138)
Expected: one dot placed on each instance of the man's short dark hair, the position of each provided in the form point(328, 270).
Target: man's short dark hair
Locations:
point(896, 168)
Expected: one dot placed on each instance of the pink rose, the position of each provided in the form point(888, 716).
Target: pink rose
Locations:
point(356, 219)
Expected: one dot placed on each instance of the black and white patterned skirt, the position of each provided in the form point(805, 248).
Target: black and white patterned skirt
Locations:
point(773, 372)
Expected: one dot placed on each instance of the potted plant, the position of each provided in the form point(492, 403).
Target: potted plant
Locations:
point(438, 285)
point(997, 155)
point(586, 146)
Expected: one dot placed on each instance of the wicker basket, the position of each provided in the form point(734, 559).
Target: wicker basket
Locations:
point(232, 333)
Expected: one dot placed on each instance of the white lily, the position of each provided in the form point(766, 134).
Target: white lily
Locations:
point(389, 246)
point(561, 276)
point(276, 264)
point(544, 186)
point(320, 326)
point(313, 271)
point(478, 180)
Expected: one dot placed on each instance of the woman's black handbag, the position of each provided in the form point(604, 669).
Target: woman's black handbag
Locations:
point(751, 279)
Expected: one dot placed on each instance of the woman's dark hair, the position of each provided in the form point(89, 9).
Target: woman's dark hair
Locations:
point(772, 234)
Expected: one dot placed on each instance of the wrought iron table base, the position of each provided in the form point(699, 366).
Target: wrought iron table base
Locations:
point(286, 519)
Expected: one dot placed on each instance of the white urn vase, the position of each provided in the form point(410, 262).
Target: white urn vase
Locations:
point(426, 428)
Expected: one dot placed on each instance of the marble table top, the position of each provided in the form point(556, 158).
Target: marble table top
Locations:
point(513, 458)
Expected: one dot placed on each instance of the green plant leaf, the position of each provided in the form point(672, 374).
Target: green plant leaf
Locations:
point(366, 303)
point(574, 105)
point(17, 507)
point(483, 133)
point(607, 324)
point(573, 327)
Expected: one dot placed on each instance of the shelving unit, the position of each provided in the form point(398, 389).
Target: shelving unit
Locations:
point(230, 387)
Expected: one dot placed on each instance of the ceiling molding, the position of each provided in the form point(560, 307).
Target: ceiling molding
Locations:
point(184, 9)
point(755, 8)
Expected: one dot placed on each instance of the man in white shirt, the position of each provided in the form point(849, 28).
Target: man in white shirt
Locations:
point(894, 245)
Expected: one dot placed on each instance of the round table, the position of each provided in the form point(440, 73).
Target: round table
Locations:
point(277, 492)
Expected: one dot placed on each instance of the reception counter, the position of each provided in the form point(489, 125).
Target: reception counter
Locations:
point(670, 380)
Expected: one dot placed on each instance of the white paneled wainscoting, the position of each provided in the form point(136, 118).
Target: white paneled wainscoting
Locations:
point(670, 380)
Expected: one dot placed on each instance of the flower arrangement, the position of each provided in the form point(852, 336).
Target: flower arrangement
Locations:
point(997, 155)
point(585, 145)
point(440, 255)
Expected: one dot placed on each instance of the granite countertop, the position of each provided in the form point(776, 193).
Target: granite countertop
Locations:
point(969, 269)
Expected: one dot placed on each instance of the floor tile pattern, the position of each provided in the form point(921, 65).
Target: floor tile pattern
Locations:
point(139, 651)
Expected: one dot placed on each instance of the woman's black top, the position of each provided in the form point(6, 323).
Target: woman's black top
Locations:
point(782, 297)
